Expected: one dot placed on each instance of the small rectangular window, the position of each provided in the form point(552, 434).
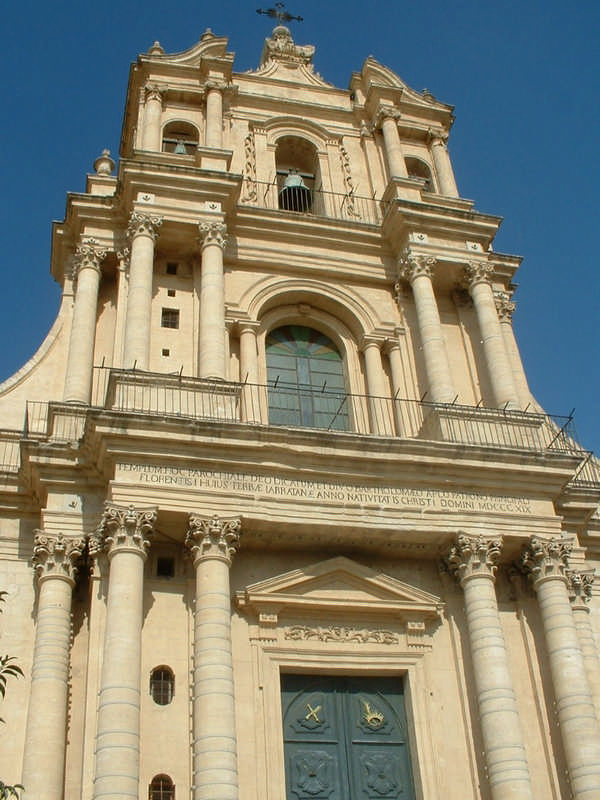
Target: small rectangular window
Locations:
point(165, 567)
point(171, 292)
point(169, 318)
point(172, 267)
point(166, 351)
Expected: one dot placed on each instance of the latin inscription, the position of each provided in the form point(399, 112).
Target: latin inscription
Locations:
point(322, 491)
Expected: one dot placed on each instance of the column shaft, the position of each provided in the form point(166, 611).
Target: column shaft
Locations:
point(418, 270)
point(80, 359)
point(215, 777)
point(214, 117)
point(379, 402)
point(143, 231)
point(443, 167)
point(45, 739)
point(118, 725)
point(496, 359)
point(400, 394)
point(212, 303)
point(393, 148)
point(505, 309)
point(249, 373)
point(547, 560)
point(474, 558)
point(152, 120)
point(589, 651)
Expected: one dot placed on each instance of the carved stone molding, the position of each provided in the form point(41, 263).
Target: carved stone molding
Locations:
point(213, 537)
point(249, 190)
point(543, 559)
point(56, 556)
point(472, 556)
point(477, 272)
point(415, 266)
point(341, 633)
point(504, 306)
point(580, 585)
point(213, 233)
point(349, 187)
point(123, 528)
point(88, 255)
point(143, 225)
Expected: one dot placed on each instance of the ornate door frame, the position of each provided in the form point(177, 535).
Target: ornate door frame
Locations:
point(376, 625)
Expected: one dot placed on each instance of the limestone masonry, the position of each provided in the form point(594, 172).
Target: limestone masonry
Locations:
point(280, 518)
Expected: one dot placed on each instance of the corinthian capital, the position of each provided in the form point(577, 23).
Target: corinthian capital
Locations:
point(477, 272)
point(437, 138)
point(88, 255)
point(154, 92)
point(213, 233)
point(580, 586)
point(504, 306)
point(546, 558)
point(472, 556)
point(385, 112)
point(124, 528)
point(213, 537)
point(143, 225)
point(413, 266)
point(55, 556)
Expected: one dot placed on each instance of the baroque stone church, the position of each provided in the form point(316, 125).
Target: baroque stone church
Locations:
point(280, 518)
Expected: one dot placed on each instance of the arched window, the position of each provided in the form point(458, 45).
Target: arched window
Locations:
point(162, 685)
point(306, 379)
point(419, 169)
point(161, 788)
point(296, 163)
point(180, 138)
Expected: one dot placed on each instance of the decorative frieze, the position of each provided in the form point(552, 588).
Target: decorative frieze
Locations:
point(123, 528)
point(56, 555)
point(471, 556)
point(214, 232)
point(213, 537)
point(143, 225)
point(341, 633)
point(546, 558)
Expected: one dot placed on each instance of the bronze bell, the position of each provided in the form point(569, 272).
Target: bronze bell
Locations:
point(180, 148)
point(295, 195)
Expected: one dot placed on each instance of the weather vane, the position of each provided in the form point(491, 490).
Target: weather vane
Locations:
point(279, 14)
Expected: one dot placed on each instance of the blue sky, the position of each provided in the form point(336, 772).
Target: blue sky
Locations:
point(522, 76)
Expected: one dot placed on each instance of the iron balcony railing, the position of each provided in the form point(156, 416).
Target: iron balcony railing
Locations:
point(328, 412)
point(311, 202)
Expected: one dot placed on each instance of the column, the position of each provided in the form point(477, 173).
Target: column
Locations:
point(400, 394)
point(418, 271)
point(474, 559)
point(151, 139)
point(249, 371)
point(80, 359)
point(124, 533)
point(214, 114)
point(211, 362)
point(477, 277)
point(213, 543)
point(442, 163)
point(546, 560)
point(379, 402)
point(388, 117)
point(505, 309)
point(54, 560)
point(142, 232)
point(580, 593)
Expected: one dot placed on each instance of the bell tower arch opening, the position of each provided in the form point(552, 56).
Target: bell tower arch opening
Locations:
point(297, 171)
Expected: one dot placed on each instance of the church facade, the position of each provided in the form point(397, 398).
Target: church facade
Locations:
point(280, 517)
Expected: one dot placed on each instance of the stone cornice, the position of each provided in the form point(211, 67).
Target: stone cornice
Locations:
point(213, 538)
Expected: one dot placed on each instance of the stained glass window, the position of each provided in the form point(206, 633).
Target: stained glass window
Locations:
point(306, 379)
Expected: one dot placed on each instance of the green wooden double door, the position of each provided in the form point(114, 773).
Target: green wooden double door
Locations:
point(345, 738)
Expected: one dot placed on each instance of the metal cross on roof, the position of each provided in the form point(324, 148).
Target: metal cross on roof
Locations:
point(279, 13)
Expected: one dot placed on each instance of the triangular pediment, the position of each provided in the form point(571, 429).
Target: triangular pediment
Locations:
point(339, 583)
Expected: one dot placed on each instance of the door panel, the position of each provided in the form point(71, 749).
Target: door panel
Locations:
point(345, 738)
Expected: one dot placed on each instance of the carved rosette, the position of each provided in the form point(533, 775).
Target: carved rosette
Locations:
point(56, 556)
point(143, 225)
point(123, 528)
point(504, 306)
point(213, 537)
point(88, 255)
point(580, 585)
point(472, 556)
point(545, 559)
point(213, 233)
point(477, 272)
point(415, 266)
